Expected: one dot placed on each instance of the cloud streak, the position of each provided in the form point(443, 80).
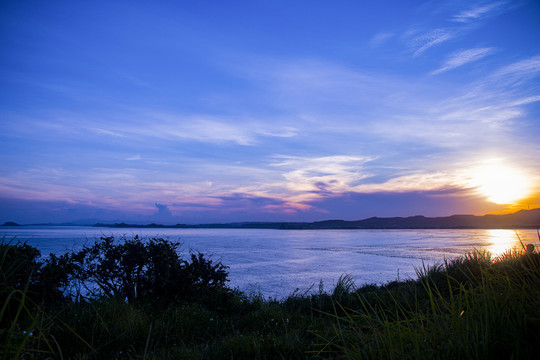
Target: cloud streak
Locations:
point(322, 175)
point(423, 42)
point(478, 12)
point(380, 39)
point(210, 130)
point(518, 71)
point(463, 57)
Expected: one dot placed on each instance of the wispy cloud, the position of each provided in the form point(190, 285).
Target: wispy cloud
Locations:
point(134, 158)
point(518, 71)
point(322, 175)
point(420, 181)
point(423, 42)
point(526, 100)
point(147, 124)
point(205, 130)
point(463, 57)
point(380, 38)
point(308, 87)
point(217, 130)
point(108, 132)
point(462, 25)
point(477, 12)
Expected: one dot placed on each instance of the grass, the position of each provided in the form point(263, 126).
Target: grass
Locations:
point(24, 325)
point(475, 307)
point(471, 308)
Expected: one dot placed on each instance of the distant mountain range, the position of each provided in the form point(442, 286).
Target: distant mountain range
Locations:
point(523, 219)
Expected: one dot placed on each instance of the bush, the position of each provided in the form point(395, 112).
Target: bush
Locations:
point(18, 262)
point(37, 295)
point(135, 270)
point(21, 268)
point(147, 271)
point(26, 284)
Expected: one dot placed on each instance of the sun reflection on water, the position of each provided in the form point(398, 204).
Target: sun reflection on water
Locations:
point(502, 241)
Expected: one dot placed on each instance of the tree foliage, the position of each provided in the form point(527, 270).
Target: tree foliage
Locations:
point(131, 269)
point(149, 270)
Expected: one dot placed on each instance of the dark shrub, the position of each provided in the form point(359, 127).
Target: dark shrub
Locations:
point(18, 262)
point(130, 269)
point(148, 271)
point(21, 268)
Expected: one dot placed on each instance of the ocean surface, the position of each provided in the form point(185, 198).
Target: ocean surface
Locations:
point(278, 263)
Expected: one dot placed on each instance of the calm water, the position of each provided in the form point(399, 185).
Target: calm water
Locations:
point(277, 262)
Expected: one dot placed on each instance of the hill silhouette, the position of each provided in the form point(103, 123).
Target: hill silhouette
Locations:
point(523, 219)
point(10, 223)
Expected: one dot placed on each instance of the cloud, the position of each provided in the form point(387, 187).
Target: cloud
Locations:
point(526, 100)
point(481, 114)
point(143, 123)
point(518, 71)
point(477, 12)
point(420, 181)
point(202, 128)
point(107, 132)
point(250, 202)
point(497, 97)
point(423, 42)
point(307, 89)
point(430, 39)
point(357, 206)
point(463, 57)
point(134, 158)
point(162, 211)
point(380, 39)
point(320, 175)
point(239, 206)
point(208, 130)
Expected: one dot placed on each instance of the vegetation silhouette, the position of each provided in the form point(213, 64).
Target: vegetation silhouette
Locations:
point(139, 299)
point(149, 270)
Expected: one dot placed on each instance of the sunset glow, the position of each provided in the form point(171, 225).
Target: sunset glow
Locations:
point(503, 184)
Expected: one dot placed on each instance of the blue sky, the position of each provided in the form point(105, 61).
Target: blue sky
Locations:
point(205, 111)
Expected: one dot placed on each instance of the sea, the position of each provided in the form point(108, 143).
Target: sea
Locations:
point(279, 263)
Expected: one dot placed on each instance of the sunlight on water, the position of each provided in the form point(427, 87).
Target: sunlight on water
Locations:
point(502, 241)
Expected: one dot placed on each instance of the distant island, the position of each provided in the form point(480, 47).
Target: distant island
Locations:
point(523, 219)
point(10, 223)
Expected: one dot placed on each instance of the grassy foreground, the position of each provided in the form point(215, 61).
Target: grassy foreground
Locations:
point(476, 307)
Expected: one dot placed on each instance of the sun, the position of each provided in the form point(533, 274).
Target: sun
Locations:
point(502, 184)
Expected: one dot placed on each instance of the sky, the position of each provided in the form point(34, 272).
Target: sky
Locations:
point(221, 111)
